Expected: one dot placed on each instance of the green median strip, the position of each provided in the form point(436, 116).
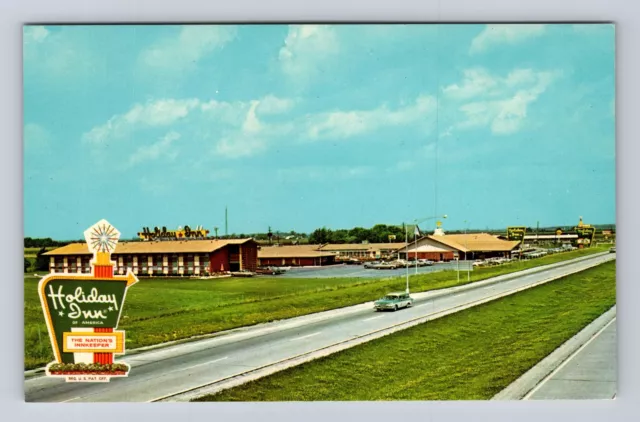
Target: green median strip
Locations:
point(161, 310)
point(470, 355)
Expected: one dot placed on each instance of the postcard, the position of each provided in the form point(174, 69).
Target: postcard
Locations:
point(319, 212)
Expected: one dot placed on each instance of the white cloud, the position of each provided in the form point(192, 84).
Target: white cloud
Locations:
point(345, 124)
point(154, 113)
point(36, 138)
point(274, 105)
point(476, 81)
point(245, 128)
point(253, 135)
point(504, 101)
point(239, 146)
point(306, 47)
point(494, 35)
point(35, 34)
point(192, 43)
point(156, 150)
point(61, 54)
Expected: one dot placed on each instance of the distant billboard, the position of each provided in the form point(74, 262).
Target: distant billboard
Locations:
point(516, 233)
point(585, 235)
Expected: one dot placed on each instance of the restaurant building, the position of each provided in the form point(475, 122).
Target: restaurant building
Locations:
point(442, 247)
point(163, 257)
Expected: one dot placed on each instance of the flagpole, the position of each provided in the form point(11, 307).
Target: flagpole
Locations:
point(406, 242)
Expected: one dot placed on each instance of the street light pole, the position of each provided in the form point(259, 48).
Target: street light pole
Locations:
point(406, 242)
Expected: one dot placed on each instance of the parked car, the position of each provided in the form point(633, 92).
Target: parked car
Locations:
point(269, 271)
point(425, 262)
point(385, 266)
point(393, 301)
point(242, 273)
point(612, 249)
point(352, 261)
point(371, 264)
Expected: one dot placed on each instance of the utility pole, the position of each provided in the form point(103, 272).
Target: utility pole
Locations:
point(466, 246)
point(215, 229)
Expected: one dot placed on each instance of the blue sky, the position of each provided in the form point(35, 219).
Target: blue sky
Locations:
point(299, 127)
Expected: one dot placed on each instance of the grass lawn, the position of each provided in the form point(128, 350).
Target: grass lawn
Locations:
point(470, 355)
point(160, 310)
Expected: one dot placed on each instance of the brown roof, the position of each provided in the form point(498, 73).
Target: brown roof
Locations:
point(297, 251)
point(361, 246)
point(474, 242)
point(164, 246)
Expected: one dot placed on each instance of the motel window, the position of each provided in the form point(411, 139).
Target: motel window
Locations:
point(157, 263)
point(174, 264)
point(86, 264)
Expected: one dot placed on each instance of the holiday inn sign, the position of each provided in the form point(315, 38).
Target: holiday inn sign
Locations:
point(82, 313)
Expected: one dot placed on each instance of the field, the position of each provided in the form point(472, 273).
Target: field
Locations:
point(470, 355)
point(160, 310)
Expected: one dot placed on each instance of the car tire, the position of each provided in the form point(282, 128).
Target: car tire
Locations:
point(395, 308)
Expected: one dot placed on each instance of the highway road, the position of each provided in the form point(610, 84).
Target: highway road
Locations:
point(164, 372)
point(588, 374)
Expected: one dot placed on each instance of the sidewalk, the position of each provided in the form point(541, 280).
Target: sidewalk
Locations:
point(589, 373)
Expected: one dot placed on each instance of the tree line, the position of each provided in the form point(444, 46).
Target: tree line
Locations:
point(42, 242)
point(380, 233)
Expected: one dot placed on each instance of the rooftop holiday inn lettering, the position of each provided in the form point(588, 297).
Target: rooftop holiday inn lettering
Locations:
point(82, 313)
point(186, 233)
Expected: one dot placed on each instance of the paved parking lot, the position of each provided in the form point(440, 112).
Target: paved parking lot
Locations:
point(360, 271)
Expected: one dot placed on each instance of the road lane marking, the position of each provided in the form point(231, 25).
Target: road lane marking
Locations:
point(205, 363)
point(66, 401)
point(490, 287)
point(566, 362)
point(375, 317)
point(307, 336)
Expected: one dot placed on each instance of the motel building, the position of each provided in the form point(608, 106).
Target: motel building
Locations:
point(442, 247)
point(294, 256)
point(363, 251)
point(164, 258)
